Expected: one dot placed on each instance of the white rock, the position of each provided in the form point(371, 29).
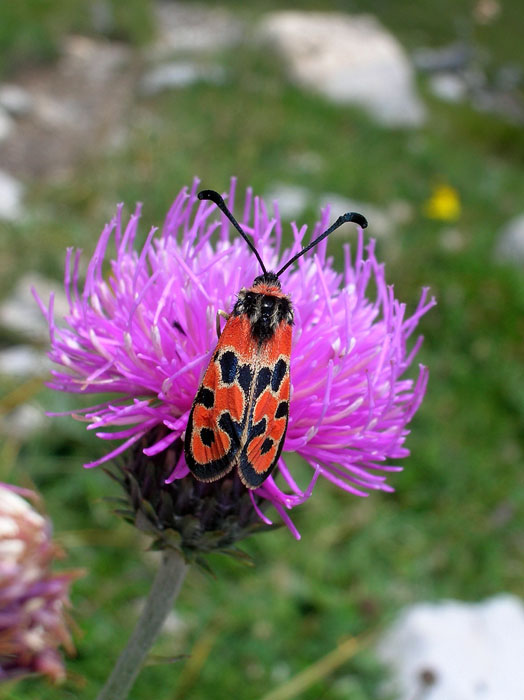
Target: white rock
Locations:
point(510, 246)
point(20, 313)
point(6, 124)
point(178, 74)
point(58, 114)
point(24, 421)
point(448, 86)
point(291, 199)
point(16, 100)
point(11, 194)
point(381, 223)
point(98, 61)
point(23, 361)
point(194, 28)
point(457, 651)
point(76, 103)
point(348, 59)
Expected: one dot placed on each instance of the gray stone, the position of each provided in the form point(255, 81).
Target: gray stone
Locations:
point(24, 421)
point(23, 361)
point(58, 114)
point(510, 246)
point(457, 651)
point(348, 59)
point(448, 87)
point(11, 194)
point(453, 57)
point(505, 104)
point(20, 314)
point(15, 99)
point(193, 28)
point(291, 199)
point(178, 74)
point(77, 102)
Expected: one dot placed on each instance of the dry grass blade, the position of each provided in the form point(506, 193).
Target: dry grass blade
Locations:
point(318, 670)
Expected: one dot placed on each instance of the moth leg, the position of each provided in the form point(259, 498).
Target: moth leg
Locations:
point(225, 315)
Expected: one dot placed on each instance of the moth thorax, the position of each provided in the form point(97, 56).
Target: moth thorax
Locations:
point(265, 309)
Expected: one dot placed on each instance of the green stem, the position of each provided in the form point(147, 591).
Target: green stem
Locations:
point(165, 589)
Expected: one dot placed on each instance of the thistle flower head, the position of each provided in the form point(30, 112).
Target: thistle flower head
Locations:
point(144, 330)
point(33, 600)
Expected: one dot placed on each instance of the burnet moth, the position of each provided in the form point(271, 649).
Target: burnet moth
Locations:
point(240, 413)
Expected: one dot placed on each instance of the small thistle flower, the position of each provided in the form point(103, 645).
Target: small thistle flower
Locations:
point(146, 330)
point(33, 600)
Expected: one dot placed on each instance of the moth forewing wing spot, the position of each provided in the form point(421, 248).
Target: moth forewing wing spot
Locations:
point(240, 413)
point(247, 423)
point(218, 414)
point(268, 414)
point(209, 452)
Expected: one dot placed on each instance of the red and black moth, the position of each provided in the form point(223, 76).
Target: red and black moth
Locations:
point(240, 413)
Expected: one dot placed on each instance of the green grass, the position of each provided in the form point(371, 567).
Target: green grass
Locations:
point(454, 526)
point(31, 30)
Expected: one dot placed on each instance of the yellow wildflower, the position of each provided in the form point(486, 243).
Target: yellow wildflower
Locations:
point(444, 204)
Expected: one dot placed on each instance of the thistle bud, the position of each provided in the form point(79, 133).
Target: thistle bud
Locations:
point(33, 599)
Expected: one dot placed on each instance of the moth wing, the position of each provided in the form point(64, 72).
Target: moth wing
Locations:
point(219, 412)
point(269, 411)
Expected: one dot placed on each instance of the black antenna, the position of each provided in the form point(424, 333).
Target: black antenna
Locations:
point(217, 199)
point(345, 218)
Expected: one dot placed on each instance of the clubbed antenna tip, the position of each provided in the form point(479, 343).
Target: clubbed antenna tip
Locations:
point(212, 195)
point(355, 218)
point(349, 217)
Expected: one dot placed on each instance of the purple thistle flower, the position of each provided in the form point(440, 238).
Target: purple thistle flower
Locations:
point(145, 333)
point(33, 600)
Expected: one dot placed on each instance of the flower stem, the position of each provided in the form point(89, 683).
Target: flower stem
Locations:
point(164, 590)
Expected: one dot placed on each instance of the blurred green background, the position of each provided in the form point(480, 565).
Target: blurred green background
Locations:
point(454, 526)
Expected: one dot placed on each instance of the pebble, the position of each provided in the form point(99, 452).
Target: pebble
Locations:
point(448, 87)
point(348, 59)
point(15, 100)
point(291, 199)
point(23, 361)
point(178, 74)
point(24, 421)
point(451, 58)
point(451, 650)
point(510, 246)
point(11, 196)
point(193, 28)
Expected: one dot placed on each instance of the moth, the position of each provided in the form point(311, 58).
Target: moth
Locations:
point(240, 413)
